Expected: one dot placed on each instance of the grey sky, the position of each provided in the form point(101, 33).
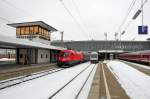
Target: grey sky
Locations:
point(99, 16)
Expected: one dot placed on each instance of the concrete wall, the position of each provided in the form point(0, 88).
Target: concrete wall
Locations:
point(22, 53)
point(25, 57)
point(42, 56)
point(33, 56)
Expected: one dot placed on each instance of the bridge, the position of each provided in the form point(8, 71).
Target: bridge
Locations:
point(105, 48)
point(125, 46)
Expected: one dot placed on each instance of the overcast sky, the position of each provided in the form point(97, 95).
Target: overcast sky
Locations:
point(94, 16)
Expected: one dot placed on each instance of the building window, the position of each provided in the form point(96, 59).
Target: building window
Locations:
point(21, 55)
point(41, 56)
point(27, 30)
point(36, 31)
point(31, 30)
point(18, 31)
point(40, 31)
point(46, 55)
point(22, 30)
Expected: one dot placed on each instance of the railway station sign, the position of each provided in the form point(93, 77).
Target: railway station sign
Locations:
point(143, 29)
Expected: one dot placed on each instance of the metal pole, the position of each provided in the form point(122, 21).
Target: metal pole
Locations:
point(62, 36)
point(142, 11)
point(120, 37)
point(62, 33)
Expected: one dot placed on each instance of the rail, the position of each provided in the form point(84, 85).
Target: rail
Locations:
point(61, 88)
point(18, 80)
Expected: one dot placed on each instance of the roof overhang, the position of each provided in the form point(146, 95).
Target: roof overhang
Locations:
point(13, 43)
point(39, 23)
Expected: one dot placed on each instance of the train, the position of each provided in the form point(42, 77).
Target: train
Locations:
point(138, 57)
point(68, 58)
point(94, 57)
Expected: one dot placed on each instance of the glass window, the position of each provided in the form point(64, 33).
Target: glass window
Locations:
point(44, 33)
point(40, 31)
point(31, 30)
point(36, 30)
point(27, 30)
point(22, 30)
point(18, 31)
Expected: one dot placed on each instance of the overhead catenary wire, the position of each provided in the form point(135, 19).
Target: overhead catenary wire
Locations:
point(136, 15)
point(81, 18)
point(135, 18)
point(127, 14)
point(74, 19)
point(4, 19)
point(15, 7)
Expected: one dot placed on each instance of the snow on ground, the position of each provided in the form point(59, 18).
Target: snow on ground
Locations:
point(135, 83)
point(85, 92)
point(71, 91)
point(140, 65)
point(43, 87)
point(7, 59)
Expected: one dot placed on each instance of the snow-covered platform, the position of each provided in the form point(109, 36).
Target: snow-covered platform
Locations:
point(105, 85)
point(135, 83)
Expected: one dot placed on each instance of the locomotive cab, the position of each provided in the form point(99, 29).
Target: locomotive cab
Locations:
point(68, 58)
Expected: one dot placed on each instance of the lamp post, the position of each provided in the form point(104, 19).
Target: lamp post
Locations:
point(122, 33)
point(116, 34)
point(105, 34)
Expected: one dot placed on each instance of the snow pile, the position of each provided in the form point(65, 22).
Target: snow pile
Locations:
point(135, 83)
point(7, 59)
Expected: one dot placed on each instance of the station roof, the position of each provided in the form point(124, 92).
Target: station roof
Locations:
point(8, 42)
point(39, 23)
point(110, 51)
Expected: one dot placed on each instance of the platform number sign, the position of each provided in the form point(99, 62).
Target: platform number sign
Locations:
point(142, 30)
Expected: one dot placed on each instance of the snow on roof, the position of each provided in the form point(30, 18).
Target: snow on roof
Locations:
point(8, 42)
point(40, 23)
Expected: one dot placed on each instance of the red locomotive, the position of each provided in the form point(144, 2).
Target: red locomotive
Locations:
point(70, 57)
point(139, 56)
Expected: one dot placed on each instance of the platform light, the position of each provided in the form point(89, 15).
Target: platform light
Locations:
point(123, 32)
point(136, 14)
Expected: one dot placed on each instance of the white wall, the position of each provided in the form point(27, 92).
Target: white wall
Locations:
point(43, 52)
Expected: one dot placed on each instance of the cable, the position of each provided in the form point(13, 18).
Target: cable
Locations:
point(81, 18)
point(10, 4)
point(74, 19)
point(4, 19)
point(143, 4)
point(128, 12)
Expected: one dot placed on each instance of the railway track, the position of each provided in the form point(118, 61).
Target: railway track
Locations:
point(21, 71)
point(54, 95)
point(18, 80)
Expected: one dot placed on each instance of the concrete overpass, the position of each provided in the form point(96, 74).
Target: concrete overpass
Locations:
point(125, 46)
point(106, 48)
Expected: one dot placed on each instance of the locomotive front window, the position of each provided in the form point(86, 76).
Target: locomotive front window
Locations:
point(94, 56)
point(64, 54)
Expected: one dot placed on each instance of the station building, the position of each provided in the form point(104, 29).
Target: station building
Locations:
point(32, 43)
